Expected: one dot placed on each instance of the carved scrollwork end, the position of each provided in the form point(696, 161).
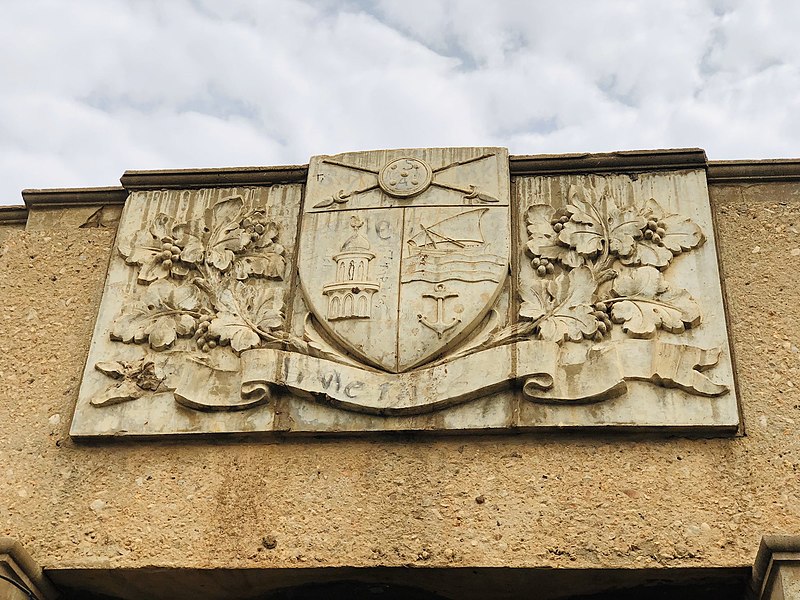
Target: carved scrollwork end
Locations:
point(133, 380)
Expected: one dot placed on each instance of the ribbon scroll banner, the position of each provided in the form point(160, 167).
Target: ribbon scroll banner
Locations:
point(541, 369)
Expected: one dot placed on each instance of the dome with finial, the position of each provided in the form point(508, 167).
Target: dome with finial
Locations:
point(356, 242)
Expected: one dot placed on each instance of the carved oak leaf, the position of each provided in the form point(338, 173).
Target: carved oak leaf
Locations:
point(645, 302)
point(681, 234)
point(597, 226)
point(562, 307)
point(113, 368)
point(543, 240)
point(265, 259)
point(188, 236)
point(165, 313)
point(268, 237)
point(232, 329)
point(123, 391)
point(134, 380)
point(246, 315)
point(648, 253)
point(270, 265)
point(149, 249)
point(144, 249)
point(625, 225)
point(225, 236)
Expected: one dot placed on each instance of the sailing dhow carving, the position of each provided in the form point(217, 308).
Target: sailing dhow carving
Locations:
point(452, 249)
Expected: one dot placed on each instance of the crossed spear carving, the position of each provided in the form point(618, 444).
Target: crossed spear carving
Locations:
point(471, 195)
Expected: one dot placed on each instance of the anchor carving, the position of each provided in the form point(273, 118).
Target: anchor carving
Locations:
point(440, 294)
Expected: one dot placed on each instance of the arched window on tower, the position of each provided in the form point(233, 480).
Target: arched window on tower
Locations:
point(347, 310)
point(333, 309)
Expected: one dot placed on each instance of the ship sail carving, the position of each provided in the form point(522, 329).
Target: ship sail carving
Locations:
point(452, 249)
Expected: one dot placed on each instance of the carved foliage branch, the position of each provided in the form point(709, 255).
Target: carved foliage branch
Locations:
point(599, 261)
point(206, 278)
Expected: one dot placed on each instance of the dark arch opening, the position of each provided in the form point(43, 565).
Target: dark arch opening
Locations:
point(352, 590)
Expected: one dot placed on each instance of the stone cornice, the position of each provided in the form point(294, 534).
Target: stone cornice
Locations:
point(611, 162)
point(200, 178)
point(720, 172)
point(59, 198)
point(13, 215)
point(753, 171)
point(619, 162)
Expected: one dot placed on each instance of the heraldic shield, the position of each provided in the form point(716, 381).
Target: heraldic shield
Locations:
point(403, 252)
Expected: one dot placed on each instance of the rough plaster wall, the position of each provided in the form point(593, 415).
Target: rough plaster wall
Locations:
point(516, 500)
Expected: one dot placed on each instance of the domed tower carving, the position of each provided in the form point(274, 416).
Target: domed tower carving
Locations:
point(351, 296)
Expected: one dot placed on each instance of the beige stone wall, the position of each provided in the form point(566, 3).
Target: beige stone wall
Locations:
point(569, 500)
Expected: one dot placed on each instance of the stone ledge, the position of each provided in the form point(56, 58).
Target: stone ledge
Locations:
point(451, 581)
point(17, 564)
point(199, 178)
point(62, 197)
point(611, 162)
point(753, 171)
point(13, 215)
point(635, 161)
point(617, 162)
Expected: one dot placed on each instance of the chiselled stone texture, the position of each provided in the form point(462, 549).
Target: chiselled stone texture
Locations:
point(412, 290)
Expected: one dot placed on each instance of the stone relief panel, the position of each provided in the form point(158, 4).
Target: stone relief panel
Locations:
point(197, 277)
point(621, 272)
point(402, 293)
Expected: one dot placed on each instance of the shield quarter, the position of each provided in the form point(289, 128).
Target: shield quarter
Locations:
point(403, 252)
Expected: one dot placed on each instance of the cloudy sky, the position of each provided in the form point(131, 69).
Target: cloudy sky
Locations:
point(90, 88)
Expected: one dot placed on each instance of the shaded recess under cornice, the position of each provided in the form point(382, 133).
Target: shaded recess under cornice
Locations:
point(722, 172)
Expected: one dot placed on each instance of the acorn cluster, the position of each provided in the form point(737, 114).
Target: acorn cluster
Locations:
point(558, 223)
point(205, 341)
point(170, 252)
point(255, 225)
point(604, 324)
point(655, 231)
point(542, 266)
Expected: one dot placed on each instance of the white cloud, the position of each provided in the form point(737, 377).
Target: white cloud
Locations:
point(93, 87)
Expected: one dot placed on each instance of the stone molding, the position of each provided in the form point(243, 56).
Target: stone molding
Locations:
point(67, 197)
point(17, 564)
point(13, 215)
point(719, 172)
point(204, 178)
point(753, 171)
point(612, 162)
point(776, 571)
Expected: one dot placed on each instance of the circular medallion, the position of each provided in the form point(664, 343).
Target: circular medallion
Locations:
point(405, 177)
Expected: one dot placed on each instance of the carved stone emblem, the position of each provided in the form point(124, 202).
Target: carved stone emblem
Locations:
point(434, 239)
point(405, 177)
point(410, 302)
